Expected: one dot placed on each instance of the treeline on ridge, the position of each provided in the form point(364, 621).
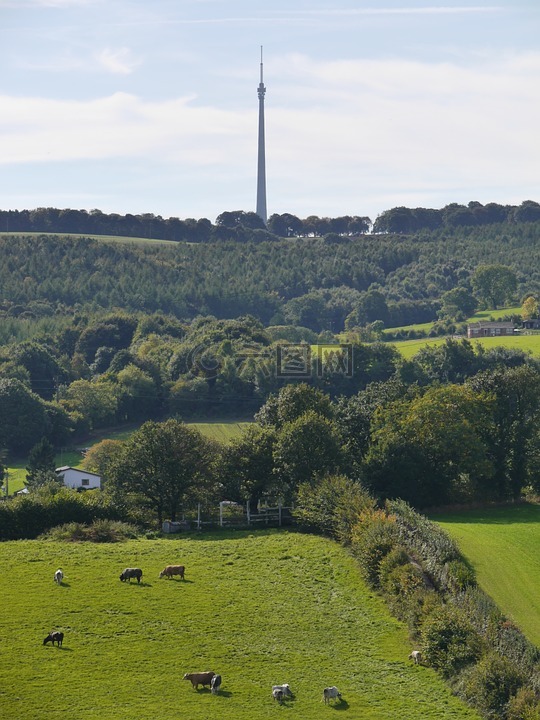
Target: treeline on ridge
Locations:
point(246, 225)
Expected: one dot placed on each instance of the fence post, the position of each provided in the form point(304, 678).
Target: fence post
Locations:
point(279, 513)
point(198, 516)
point(220, 514)
point(248, 514)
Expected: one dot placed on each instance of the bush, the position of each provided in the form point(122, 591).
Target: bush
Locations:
point(525, 705)
point(415, 608)
point(373, 538)
point(98, 531)
point(490, 684)
point(458, 576)
point(331, 506)
point(449, 641)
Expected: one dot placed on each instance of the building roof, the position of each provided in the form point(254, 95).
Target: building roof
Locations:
point(83, 472)
point(493, 323)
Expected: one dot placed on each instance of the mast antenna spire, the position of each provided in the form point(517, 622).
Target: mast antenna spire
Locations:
point(261, 160)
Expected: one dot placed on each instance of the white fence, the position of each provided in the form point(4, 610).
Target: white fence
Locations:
point(232, 515)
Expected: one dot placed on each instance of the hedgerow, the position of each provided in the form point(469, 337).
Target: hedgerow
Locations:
point(428, 584)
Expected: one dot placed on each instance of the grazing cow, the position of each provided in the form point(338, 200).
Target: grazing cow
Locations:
point(215, 684)
point(285, 689)
point(58, 576)
point(171, 570)
point(201, 678)
point(277, 694)
point(131, 573)
point(54, 637)
point(331, 693)
point(416, 655)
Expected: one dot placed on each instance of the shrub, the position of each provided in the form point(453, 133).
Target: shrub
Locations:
point(402, 581)
point(373, 537)
point(331, 506)
point(98, 531)
point(457, 576)
point(524, 705)
point(415, 608)
point(435, 549)
point(490, 684)
point(396, 558)
point(449, 641)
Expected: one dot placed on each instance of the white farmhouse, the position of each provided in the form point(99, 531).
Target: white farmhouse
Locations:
point(79, 479)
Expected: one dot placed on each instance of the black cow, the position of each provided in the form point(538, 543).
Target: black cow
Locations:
point(54, 637)
point(131, 573)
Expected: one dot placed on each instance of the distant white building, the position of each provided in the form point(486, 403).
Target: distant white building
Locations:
point(79, 479)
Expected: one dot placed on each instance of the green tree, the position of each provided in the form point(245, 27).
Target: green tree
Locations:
point(292, 402)
point(431, 450)
point(167, 464)
point(23, 416)
point(44, 369)
point(494, 285)
point(41, 465)
point(246, 466)
point(458, 302)
point(515, 393)
point(95, 401)
point(306, 448)
point(101, 456)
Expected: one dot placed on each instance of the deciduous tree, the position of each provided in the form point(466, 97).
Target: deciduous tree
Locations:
point(168, 464)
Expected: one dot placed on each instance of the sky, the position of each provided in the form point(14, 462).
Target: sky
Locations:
point(150, 106)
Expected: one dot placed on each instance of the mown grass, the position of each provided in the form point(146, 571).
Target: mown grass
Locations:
point(503, 545)
point(259, 609)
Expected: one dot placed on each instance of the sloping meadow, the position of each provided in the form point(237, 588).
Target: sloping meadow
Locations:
point(260, 609)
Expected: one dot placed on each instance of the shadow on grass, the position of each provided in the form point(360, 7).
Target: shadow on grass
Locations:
point(178, 580)
point(64, 584)
point(506, 515)
point(341, 705)
point(228, 533)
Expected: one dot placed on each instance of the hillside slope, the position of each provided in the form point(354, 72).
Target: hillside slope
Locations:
point(259, 609)
point(503, 545)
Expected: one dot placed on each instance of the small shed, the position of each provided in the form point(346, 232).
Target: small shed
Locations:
point(490, 329)
point(78, 479)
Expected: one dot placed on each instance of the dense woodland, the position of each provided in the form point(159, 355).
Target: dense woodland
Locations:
point(96, 334)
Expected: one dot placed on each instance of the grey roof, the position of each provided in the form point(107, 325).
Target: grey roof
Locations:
point(83, 472)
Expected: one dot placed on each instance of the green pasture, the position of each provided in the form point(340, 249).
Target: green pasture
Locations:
point(223, 432)
point(260, 609)
point(100, 238)
point(495, 314)
point(527, 343)
point(503, 544)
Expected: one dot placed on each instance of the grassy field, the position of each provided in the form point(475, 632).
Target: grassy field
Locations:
point(503, 545)
point(527, 343)
point(101, 238)
point(258, 609)
point(221, 431)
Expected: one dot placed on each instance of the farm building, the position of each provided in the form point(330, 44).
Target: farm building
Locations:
point(532, 324)
point(490, 329)
point(79, 479)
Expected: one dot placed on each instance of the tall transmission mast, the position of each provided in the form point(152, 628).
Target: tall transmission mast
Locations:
point(261, 161)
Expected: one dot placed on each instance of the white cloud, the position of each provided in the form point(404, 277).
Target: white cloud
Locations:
point(118, 61)
point(429, 10)
point(47, 3)
point(356, 133)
